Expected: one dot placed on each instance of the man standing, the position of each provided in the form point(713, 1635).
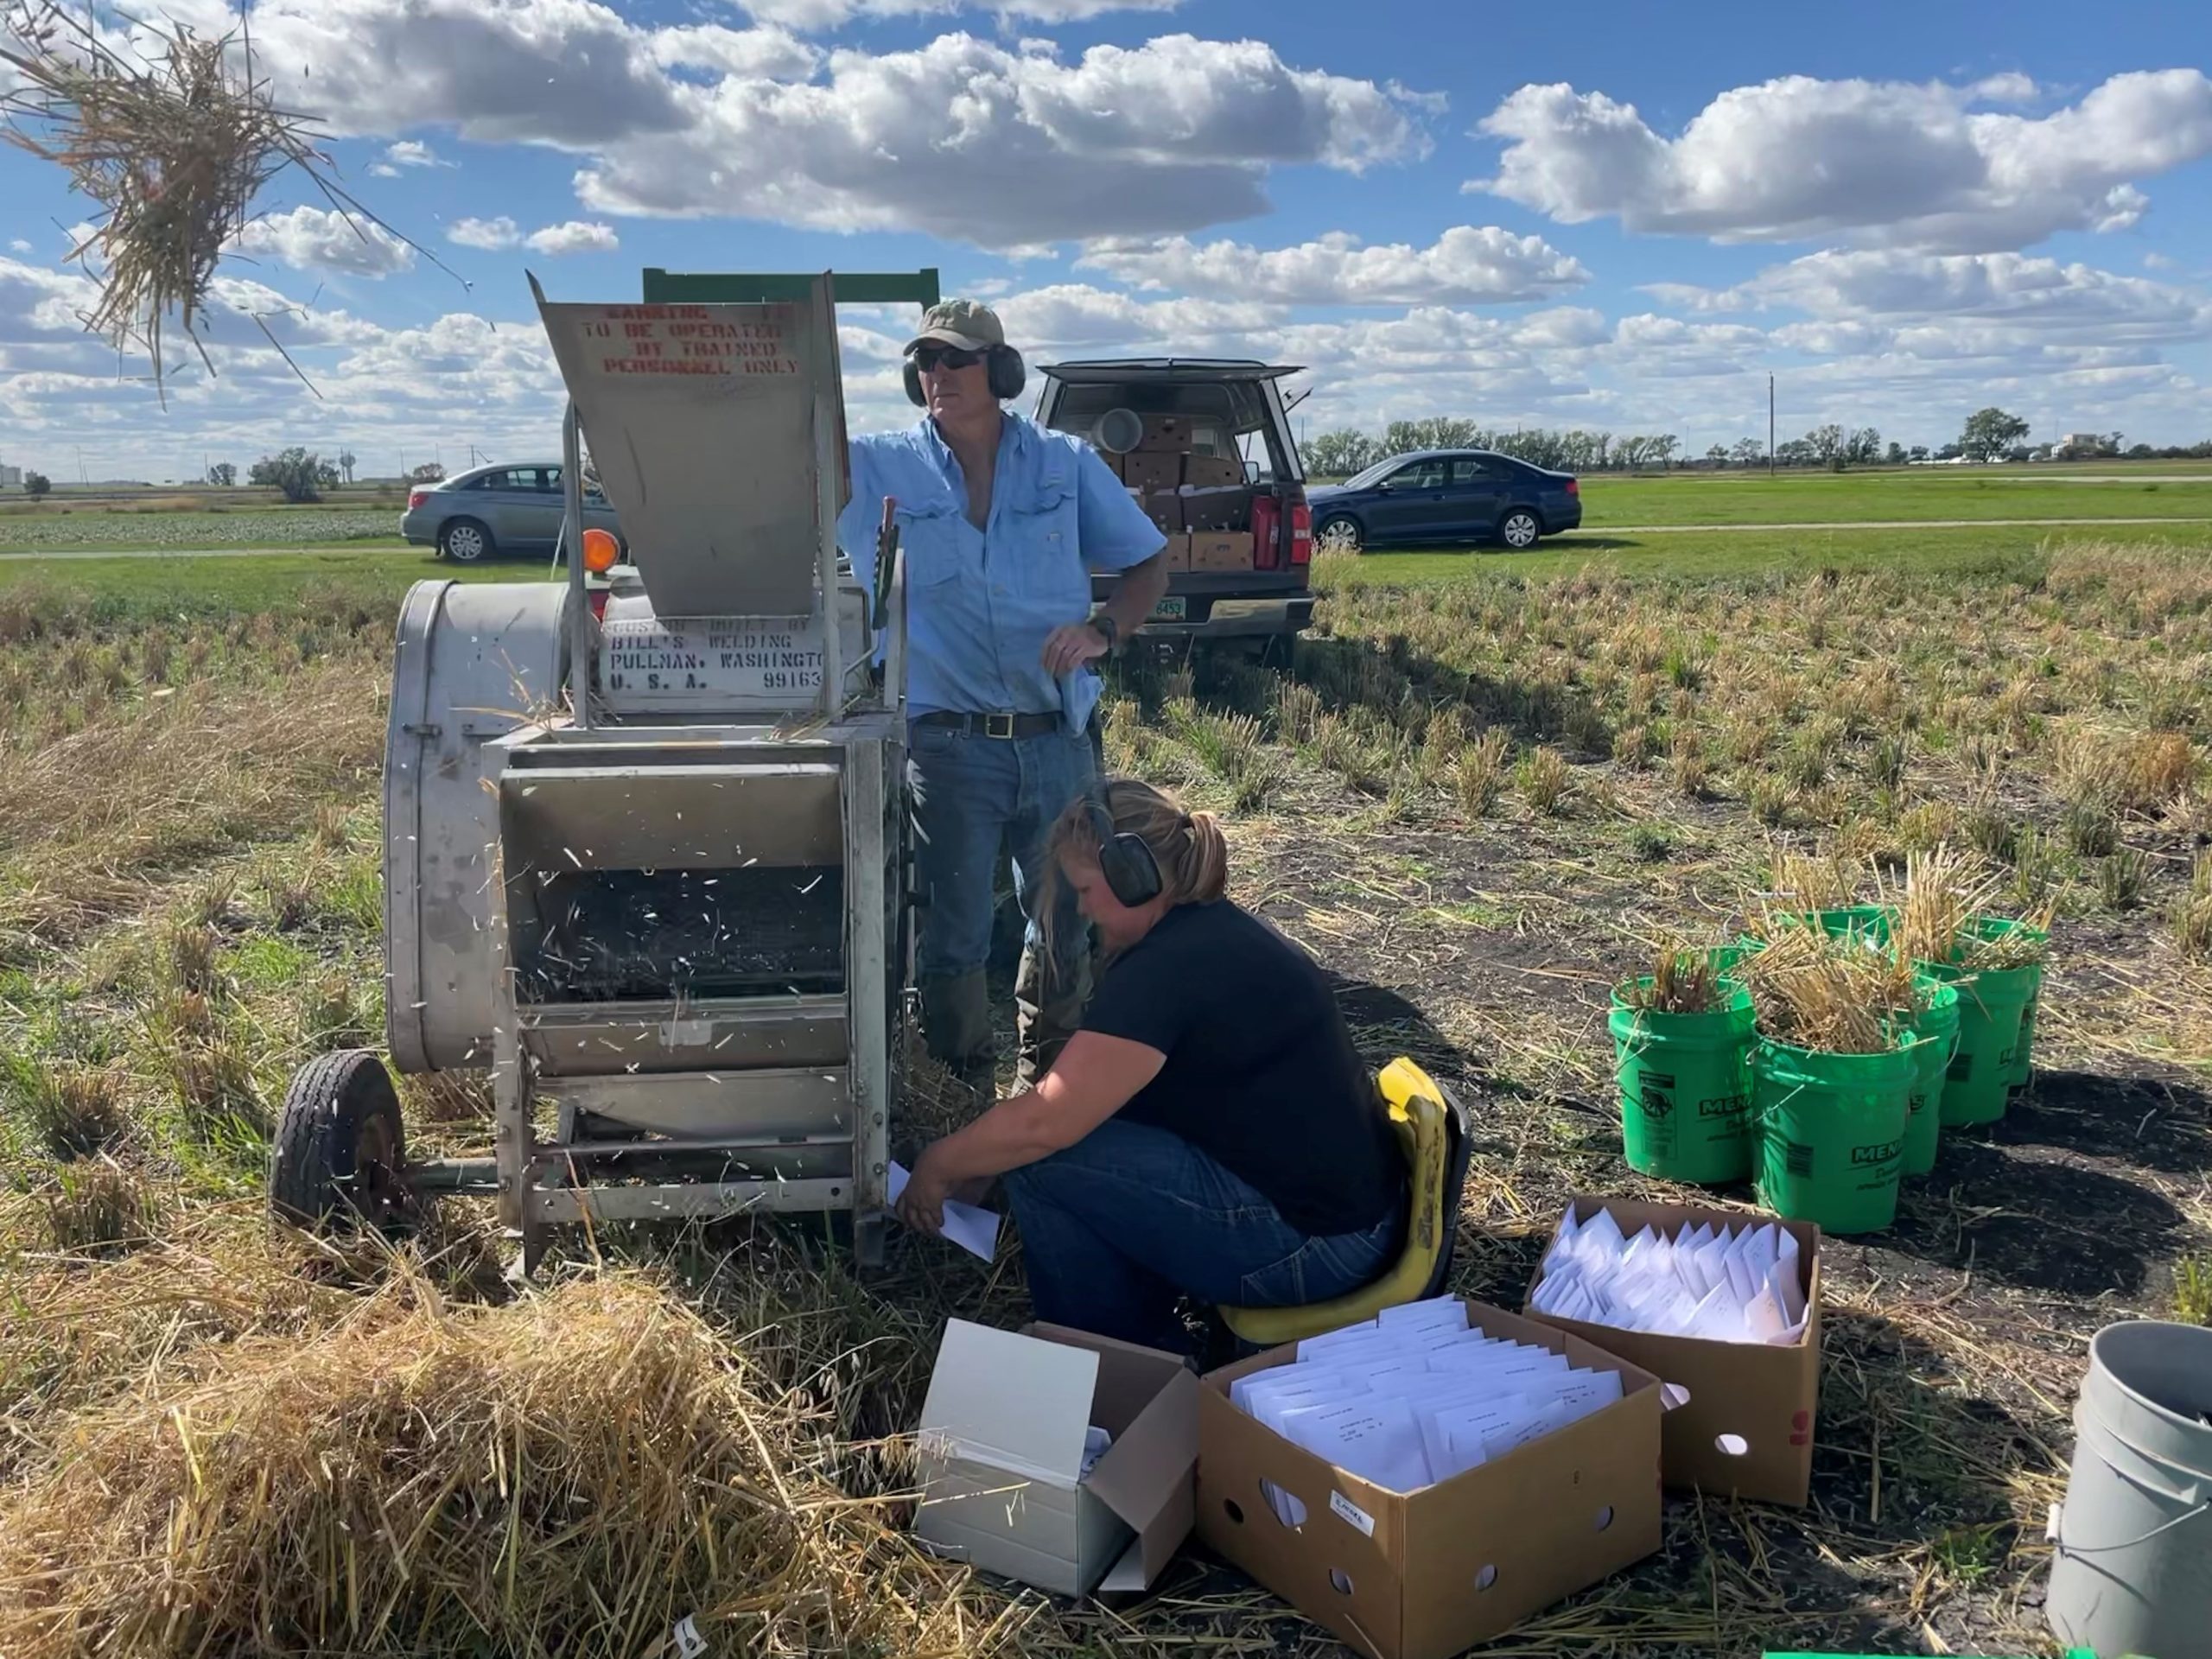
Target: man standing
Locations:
point(1002, 523)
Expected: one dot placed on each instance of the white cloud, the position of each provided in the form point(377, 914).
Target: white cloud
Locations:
point(16, 245)
point(1467, 264)
point(1882, 163)
point(409, 152)
point(577, 236)
point(382, 170)
point(960, 137)
point(2039, 298)
point(2158, 262)
point(491, 234)
point(318, 238)
point(815, 16)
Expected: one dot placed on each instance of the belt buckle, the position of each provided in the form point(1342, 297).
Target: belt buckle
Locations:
point(999, 725)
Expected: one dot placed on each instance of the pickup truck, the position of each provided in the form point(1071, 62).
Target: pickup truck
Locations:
point(1250, 596)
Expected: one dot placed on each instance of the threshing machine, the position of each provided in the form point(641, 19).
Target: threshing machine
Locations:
point(646, 848)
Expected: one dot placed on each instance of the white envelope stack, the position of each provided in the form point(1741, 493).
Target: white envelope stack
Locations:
point(1414, 1396)
point(1726, 1285)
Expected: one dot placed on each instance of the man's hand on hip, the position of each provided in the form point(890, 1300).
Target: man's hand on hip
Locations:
point(1067, 649)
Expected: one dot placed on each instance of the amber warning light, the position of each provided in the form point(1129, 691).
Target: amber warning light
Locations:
point(601, 551)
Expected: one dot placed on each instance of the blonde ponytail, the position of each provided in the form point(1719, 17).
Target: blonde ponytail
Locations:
point(1189, 847)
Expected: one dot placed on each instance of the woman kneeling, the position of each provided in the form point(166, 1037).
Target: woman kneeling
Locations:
point(1209, 1130)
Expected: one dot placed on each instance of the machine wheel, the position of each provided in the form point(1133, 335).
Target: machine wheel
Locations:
point(1519, 528)
point(341, 1152)
point(1338, 533)
point(466, 542)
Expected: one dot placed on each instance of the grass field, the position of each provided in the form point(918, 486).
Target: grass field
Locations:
point(1492, 780)
point(1928, 493)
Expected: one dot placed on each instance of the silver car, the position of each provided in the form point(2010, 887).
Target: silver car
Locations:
point(509, 508)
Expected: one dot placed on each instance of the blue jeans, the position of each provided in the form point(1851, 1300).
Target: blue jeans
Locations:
point(974, 796)
point(1116, 1226)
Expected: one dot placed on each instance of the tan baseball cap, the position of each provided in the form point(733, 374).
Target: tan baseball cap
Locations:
point(961, 323)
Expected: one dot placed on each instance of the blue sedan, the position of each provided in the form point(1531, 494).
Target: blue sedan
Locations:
point(1445, 495)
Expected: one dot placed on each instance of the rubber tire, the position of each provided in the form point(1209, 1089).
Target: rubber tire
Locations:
point(1359, 541)
point(334, 1102)
point(490, 549)
point(1536, 526)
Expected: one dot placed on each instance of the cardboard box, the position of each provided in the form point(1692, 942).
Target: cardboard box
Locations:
point(1221, 549)
point(1213, 472)
point(1148, 473)
point(1168, 434)
point(1747, 1425)
point(1113, 461)
point(1001, 1447)
point(1206, 508)
point(1163, 508)
point(1176, 556)
point(1428, 1574)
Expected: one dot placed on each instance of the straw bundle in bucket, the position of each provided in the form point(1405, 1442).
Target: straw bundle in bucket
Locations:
point(570, 1474)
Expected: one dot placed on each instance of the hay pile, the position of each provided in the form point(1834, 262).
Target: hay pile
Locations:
point(567, 1475)
point(1829, 992)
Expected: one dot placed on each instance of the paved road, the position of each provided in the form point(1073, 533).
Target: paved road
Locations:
point(60, 555)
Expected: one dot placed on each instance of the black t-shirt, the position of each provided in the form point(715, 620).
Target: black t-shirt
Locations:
point(1262, 1074)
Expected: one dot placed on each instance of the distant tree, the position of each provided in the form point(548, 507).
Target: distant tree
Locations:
point(326, 475)
point(1437, 432)
point(1826, 443)
point(37, 483)
point(223, 475)
point(2140, 452)
point(1918, 452)
point(1863, 448)
point(429, 473)
point(1894, 455)
point(1663, 448)
point(1748, 452)
point(295, 472)
point(1796, 451)
point(1717, 454)
point(345, 459)
point(1950, 452)
point(1630, 451)
point(2112, 445)
point(1989, 433)
point(1337, 455)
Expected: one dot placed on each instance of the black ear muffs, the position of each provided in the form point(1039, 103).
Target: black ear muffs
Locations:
point(1132, 873)
point(1003, 364)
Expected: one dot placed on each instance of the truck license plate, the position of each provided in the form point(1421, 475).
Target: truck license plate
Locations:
point(1170, 609)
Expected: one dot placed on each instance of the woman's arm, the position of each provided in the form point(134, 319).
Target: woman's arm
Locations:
point(1095, 1076)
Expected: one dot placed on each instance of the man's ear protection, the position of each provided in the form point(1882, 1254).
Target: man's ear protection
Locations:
point(1008, 375)
point(1132, 873)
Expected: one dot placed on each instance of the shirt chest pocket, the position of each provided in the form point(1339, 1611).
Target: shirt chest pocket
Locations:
point(939, 544)
point(1037, 550)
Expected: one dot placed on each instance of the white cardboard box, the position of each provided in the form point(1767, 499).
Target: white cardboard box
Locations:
point(1001, 1445)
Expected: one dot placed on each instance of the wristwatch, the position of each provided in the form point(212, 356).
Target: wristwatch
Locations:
point(1105, 627)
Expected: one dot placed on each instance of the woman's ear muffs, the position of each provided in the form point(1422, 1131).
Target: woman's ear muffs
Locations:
point(1132, 873)
point(1003, 363)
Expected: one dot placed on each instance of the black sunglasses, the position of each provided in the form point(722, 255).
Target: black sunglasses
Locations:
point(930, 359)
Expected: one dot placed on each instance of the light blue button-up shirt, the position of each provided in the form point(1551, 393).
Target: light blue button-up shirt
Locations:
point(980, 603)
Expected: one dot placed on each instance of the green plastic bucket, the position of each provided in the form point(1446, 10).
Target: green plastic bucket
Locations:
point(1935, 1034)
point(1685, 1091)
point(2022, 1071)
point(1991, 1006)
point(1831, 1132)
point(1874, 921)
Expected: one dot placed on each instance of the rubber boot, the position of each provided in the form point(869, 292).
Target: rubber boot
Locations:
point(957, 1030)
point(1047, 1011)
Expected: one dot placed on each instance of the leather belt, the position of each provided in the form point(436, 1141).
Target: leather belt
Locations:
point(999, 725)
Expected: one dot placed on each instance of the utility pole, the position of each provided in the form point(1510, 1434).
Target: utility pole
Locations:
point(1770, 424)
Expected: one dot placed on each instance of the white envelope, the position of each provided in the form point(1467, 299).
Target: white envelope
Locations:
point(1298, 1384)
point(1583, 1392)
point(1377, 1440)
point(1453, 1434)
point(1793, 1290)
point(1343, 1336)
point(1446, 1312)
point(1541, 1422)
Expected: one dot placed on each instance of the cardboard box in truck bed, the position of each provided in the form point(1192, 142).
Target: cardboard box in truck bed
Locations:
point(1747, 1426)
point(1145, 472)
point(1004, 1482)
point(1221, 549)
point(1428, 1574)
point(1165, 434)
point(1212, 472)
point(1163, 508)
point(1205, 509)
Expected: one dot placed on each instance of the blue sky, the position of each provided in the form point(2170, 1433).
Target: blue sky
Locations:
point(1515, 214)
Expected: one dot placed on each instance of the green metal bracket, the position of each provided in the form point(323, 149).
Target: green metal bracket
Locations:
point(918, 288)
